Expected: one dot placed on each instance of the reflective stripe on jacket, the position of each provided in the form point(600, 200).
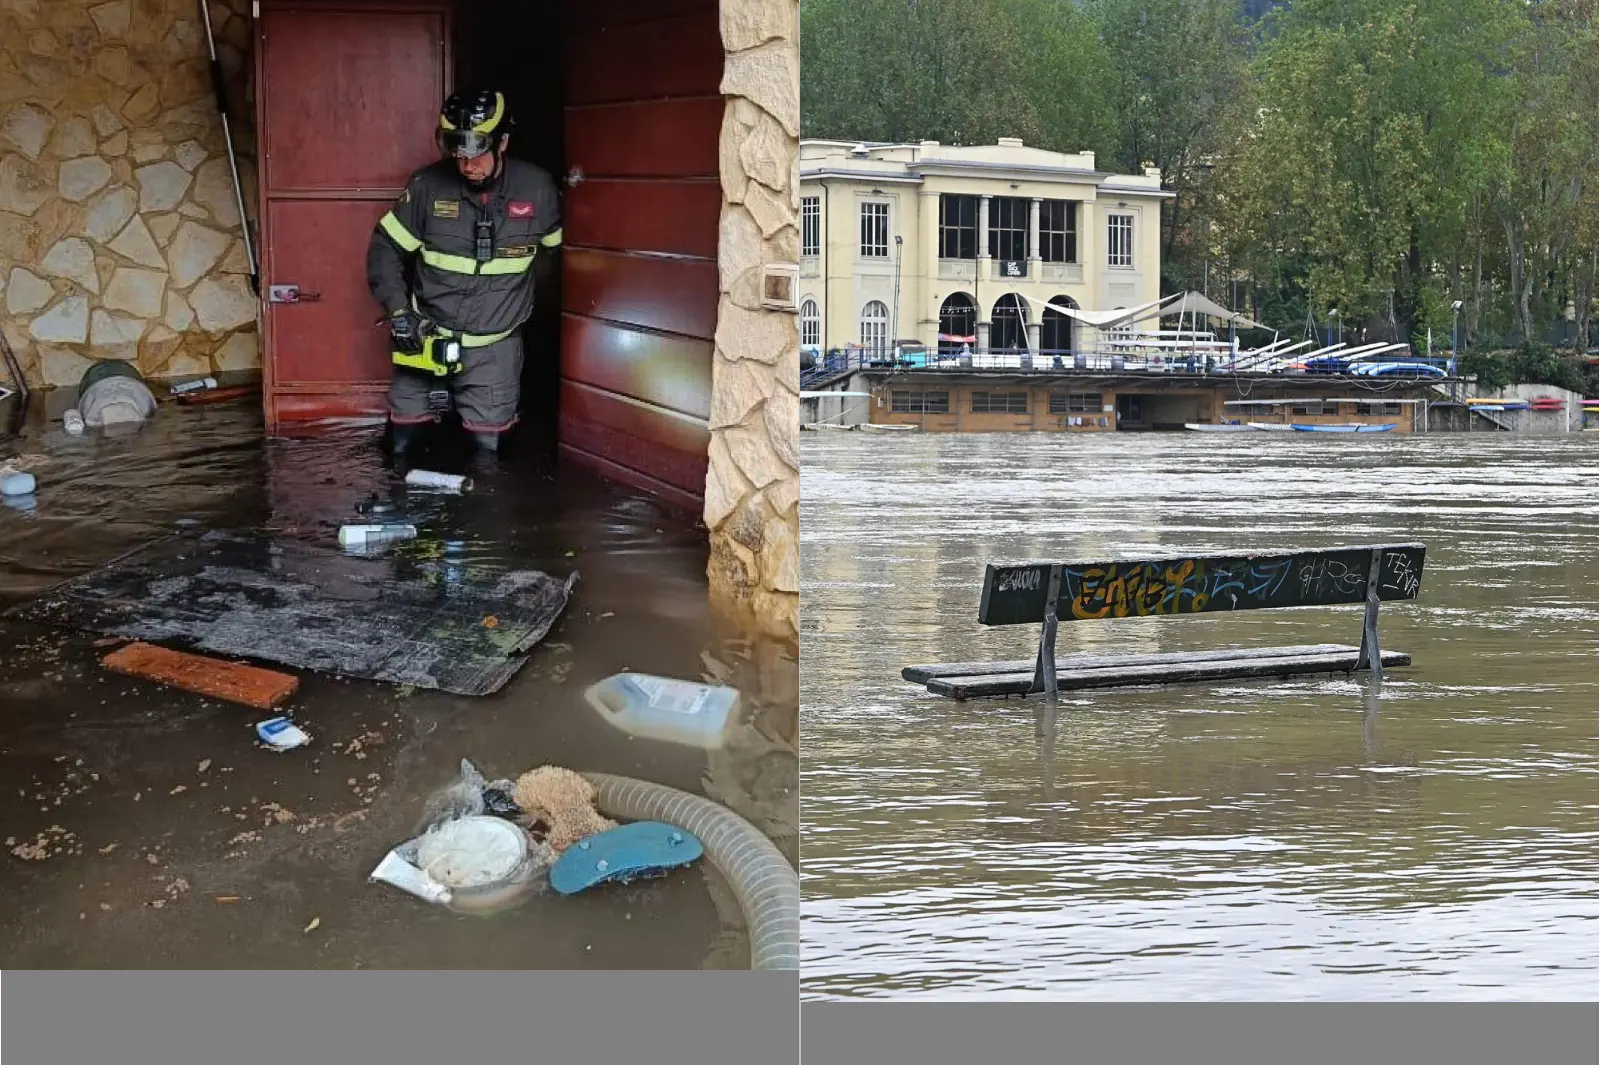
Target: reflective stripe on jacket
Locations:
point(423, 252)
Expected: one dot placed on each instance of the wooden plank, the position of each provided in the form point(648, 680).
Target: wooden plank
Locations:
point(1164, 674)
point(667, 294)
point(678, 217)
point(921, 675)
point(600, 14)
point(662, 370)
point(661, 445)
point(668, 57)
point(647, 138)
point(1014, 594)
point(217, 678)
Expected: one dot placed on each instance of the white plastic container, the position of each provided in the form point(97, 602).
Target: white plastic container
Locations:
point(663, 708)
point(375, 534)
point(72, 421)
point(432, 479)
point(192, 386)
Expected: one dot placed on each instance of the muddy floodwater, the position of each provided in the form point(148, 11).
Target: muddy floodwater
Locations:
point(1301, 839)
point(146, 827)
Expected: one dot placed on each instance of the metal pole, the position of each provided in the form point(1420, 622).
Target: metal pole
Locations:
point(219, 89)
point(894, 316)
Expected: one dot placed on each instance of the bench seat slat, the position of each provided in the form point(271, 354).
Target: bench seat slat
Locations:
point(925, 673)
point(1019, 683)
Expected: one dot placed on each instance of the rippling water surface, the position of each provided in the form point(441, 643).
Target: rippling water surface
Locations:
point(1298, 839)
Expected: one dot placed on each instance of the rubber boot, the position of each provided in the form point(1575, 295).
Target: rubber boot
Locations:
point(485, 457)
point(405, 441)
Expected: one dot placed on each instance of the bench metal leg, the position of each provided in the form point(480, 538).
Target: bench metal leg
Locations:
point(1044, 670)
point(1370, 652)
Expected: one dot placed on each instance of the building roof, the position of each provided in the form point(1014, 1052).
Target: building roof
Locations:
point(1007, 158)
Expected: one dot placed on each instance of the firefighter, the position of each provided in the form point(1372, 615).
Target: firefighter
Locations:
point(451, 263)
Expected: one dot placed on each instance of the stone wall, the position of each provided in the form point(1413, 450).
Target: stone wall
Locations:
point(753, 485)
point(119, 233)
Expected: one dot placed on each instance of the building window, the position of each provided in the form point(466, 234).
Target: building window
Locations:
point(1009, 326)
point(1074, 403)
point(1123, 331)
point(1377, 408)
point(958, 227)
point(1058, 231)
point(958, 323)
point(874, 231)
point(1315, 407)
point(906, 402)
point(999, 403)
point(810, 324)
point(875, 328)
point(1119, 240)
point(1055, 329)
point(810, 225)
point(1008, 228)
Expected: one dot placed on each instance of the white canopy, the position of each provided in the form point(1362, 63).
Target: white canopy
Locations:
point(1183, 303)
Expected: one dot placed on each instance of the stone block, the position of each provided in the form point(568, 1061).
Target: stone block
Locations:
point(71, 257)
point(65, 323)
point(194, 251)
point(137, 244)
point(162, 185)
point(26, 292)
point(27, 128)
point(82, 178)
point(136, 291)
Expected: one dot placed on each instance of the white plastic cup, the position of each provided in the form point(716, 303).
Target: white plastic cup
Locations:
point(433, 479)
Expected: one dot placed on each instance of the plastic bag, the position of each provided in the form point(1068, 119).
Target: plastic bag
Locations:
point(467, 796)
point(472, 852)
point(467, 853)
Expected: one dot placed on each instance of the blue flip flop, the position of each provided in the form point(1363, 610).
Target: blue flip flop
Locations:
point(626, 853)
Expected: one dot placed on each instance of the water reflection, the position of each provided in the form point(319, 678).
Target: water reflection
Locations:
point(1319, 838)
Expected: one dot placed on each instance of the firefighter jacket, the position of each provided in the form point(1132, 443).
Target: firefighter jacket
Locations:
point(464, 259)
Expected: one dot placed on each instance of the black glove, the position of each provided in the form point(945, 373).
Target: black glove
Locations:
point(405, 331)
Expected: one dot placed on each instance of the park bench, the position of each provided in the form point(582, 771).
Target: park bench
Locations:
point(1045, 594)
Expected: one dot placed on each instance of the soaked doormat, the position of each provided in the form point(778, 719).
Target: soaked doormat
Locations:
point(436, 623)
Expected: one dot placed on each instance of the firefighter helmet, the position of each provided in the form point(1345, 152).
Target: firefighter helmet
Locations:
point(472, 123)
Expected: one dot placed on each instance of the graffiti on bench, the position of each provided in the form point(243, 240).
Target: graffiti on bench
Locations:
point(1200, 584)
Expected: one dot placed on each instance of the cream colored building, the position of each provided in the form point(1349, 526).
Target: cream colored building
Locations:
point(893, 234)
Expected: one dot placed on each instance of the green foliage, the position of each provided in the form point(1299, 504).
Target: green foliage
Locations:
point(1530, 364)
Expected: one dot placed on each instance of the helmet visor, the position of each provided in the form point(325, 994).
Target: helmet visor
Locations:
point(465, 144)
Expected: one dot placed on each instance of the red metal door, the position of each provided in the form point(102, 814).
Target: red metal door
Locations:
point(347, 94)
point(639, 282)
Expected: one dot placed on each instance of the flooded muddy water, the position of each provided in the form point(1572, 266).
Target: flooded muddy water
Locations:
point(1290, 840)
point(145, 827)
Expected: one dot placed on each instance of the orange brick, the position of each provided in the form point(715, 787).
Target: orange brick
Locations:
point(234, 682)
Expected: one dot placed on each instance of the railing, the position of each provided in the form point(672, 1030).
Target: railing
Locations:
point(1109, 357)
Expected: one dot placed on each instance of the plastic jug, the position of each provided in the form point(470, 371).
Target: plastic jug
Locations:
point(663, 708)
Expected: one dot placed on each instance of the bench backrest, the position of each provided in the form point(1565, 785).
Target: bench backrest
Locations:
point(1016, 594)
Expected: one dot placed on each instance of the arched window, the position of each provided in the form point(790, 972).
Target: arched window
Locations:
point(810, 324)
point(1055, 329)
point(875, 328)
point(1009, 329)
point(958, 318)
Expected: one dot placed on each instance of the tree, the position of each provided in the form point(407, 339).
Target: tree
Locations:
point(1543, 186)
point(1178, 74)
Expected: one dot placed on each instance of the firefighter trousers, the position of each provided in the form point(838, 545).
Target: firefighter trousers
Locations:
point(487, 391)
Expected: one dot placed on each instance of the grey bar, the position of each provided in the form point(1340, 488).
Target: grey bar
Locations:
point(1352, 1034)
point(461, 1018)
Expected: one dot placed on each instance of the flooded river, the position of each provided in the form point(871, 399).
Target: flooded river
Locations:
point(145, 827)
point(1296, 839)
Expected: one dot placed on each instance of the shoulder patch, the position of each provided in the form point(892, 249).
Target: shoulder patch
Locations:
point(447, 209)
